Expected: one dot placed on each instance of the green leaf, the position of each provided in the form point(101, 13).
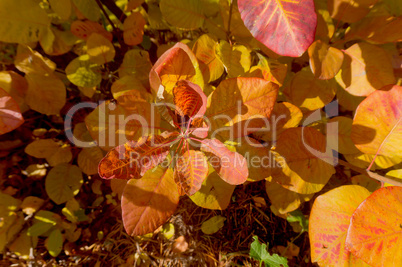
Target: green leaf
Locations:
point(81, 72)
point(54, 243)
point(298, 216)
point(213, 225)
point(184, 14)
point(39, 228)
point(259, 252)
point(22, 21)
point(63, 182)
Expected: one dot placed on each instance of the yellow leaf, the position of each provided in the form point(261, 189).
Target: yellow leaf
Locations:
point(136, 63)
point(62, 8)
point(235, 58)
point(30, 61)
point(81, 72)
point(22, 21)
point(184, 14)
point(46, 94)
point(100, 49)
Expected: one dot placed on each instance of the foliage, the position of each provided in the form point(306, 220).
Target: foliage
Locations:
point(166, 100)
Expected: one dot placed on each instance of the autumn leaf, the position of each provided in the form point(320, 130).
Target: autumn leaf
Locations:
point(133, 159)
point(84, 29)
point(10, 114)
point(231, 166)
point(190, 171)
point(285, 27)
point(325, 61)
point(133, 28)
point(189, 99)
point(148, 202)
point(375, 228)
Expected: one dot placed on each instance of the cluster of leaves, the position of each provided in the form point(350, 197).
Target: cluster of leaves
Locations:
point(190, 117)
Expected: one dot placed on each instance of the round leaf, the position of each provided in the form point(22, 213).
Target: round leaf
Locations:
point(100, 49)
point(377, 126)
point(133, 29)
point(10, 114)
point(89, 8)
point(184, 14)
point(213, 225)
point(148, 202)
point(63, 182)
point(89, 158)
point(329, 222)
point(42, 148)
point(235, 58)
point(285, 27)
point(375, 228)
point(81, 72)
point(54, 243)
point(325, 61)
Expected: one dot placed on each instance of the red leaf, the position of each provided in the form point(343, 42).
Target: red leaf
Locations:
point(231, 166)
point(376, 228)
point(191, 170)
point(10, 115)
point(133, 159)
point(148, 202)
point(285, 27)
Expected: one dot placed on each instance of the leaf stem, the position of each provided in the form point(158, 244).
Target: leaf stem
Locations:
point(375, 176)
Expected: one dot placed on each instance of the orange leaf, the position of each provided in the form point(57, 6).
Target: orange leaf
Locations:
point(365, 68)
point(375, 230)
point(191, 170)
point(133, 29)
point(349, 11)
point(133, 159)
point(325, 61)
point(328, 224)
point(177, 63)
point(10, 115)
point(238, 102)
point(133, 4)
point(377, 126)
point(100, 49)
point(148, 202)
point(231, 166)
point(189, 99)
point(84, 29)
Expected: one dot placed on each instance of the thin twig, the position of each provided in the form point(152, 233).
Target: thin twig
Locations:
point(106, 15)
point(370, 174)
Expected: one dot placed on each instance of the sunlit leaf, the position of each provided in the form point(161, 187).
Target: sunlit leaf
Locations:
point(84, 29)
point(349, 11)
point(100, 49)
point(285, 27)
point(16, 86)
point(22, 21)
point(133, 29)
point(214, 193)
point(46, 94)
point(82, 72)
point(325, 61)
point(379, 26)
point(325, 25)
point(136, 62)
point(63, 182)
point(364, 160)
point(211, 66)
point(302, 171)
point(129, 85)
point(365, 68)
point(283, 199)
point(54, 243)
point(259, 252)
point(238, 101)
point(283, 116)
point(375, 228)
point(309, 93)
point(213, 225)
point(62, 8)
point(30, 61)
point(56, 42)
point(148, 202)
point(377, 126)
point(235, 58)
point(113, 124)
point(133, 159)
point(237, 27)
point(190, 171)
point(269, 69)
point(189, 99)
point(89, 8)
point(231, 166)
point(329, 222)
point(184, 14)
point(10, 114)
